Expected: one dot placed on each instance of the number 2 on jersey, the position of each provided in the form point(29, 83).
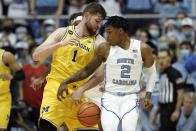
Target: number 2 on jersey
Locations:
point(74, 56)
point(126, 69)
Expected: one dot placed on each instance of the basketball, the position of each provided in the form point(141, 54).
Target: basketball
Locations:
point(88, 114)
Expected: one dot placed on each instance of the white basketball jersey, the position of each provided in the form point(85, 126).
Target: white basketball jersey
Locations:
point(123, 68)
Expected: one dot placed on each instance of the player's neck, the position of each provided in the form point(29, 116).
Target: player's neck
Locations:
point(81, 30)
point(125, 43)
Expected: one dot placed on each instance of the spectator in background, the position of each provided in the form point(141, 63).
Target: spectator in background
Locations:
point(174, 48)
point(179, 17)
point(163, 42)
point(8, 30)
point(187, 121)
point(112, 7)
point(188, 30)
point(76, 6)
point(21, 32)
point(48, 26)
point(139, 7)
point(46, 7)
point(18, 8)
point(33, 97)
point(21, 52)
point(170, 28)
point(169, 7)
point(143, 35)
point(154, 32)
point(190, 5)
point(185, 51)
point(171, 93)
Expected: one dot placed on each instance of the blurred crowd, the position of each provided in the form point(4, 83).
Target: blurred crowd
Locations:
point(178, 35)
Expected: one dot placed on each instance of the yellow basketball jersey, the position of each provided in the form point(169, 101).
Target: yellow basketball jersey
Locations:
point(4, 85)
point(69, 59)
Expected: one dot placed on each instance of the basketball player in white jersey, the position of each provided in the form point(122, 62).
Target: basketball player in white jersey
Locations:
point(122, 59)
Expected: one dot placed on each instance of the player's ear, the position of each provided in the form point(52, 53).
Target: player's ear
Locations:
point(86, 15)
point(121, 30)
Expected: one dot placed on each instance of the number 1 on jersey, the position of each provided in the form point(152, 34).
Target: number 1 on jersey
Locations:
point(74, 57)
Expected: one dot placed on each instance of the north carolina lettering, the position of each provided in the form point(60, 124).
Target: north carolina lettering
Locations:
point(124, 82)
point(125, 60)
point(84, 47)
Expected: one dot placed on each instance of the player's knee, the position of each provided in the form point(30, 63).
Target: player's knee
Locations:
point(46, 126)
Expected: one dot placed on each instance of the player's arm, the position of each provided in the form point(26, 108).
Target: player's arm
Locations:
point(37, 83)
point(100, 56)
point(149, 63)
point(94, 80)
point(53, 42)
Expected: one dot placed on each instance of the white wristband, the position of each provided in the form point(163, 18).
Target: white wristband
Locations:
point(151, 78)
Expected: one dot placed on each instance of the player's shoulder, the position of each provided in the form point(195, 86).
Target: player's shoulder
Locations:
point(99, 40)
point(145, 47)
point(59, 33)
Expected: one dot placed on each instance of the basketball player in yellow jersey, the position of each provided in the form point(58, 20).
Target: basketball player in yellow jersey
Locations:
point(7, 63)
point(72, 48)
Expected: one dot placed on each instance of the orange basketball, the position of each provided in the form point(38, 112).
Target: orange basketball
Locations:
point(89, 114)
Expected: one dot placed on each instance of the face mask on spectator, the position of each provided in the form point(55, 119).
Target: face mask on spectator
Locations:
point(172, 33)
point(20, 36)
point(21, 55)
point(163, 45)
point(49, 29)
point(179, 23)
point(188, 34)
point(154, 33)
point(184, 53)
point(172, 45)
point(19, 1)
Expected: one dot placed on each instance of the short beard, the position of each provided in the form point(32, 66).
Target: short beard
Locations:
point(89, 28)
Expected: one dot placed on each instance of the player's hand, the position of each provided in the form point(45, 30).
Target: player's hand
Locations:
point(146, 104)
point(63, 87)
point(175, 115)
point(76, 97)
point(73, 40)
point(6, 77)
point(37, 83)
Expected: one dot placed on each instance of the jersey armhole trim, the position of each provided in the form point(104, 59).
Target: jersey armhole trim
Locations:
point(67, 28)
point(94, 42)
point(2, 60)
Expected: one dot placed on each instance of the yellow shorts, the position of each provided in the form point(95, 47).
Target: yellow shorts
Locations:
point(5, 108)
point(57, 112)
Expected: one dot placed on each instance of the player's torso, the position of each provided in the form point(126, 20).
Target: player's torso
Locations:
point(4, 85)
point(123, 68)
point(69, 59)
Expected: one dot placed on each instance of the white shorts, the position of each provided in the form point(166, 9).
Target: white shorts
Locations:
point(119, 112)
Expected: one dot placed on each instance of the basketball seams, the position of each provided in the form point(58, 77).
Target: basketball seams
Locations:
point(86, 109)
point(89, 116)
